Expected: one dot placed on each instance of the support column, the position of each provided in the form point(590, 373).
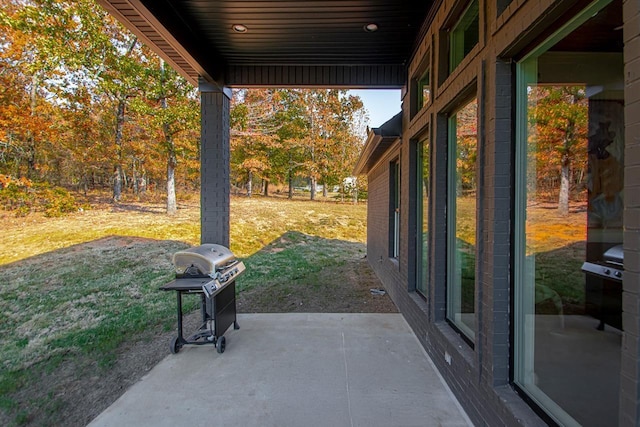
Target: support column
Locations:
point(496, 262)
point(214, 164)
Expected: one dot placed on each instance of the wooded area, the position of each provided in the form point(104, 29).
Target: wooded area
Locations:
point(85, 105)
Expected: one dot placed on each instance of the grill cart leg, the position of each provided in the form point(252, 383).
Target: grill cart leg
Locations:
point(179, 341)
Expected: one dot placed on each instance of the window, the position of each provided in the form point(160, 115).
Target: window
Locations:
point(424, 178)
point(461, 219)
point(420, 86)
point(464, 35)
point(568, 217)
point(394, 217)
point(424, 90)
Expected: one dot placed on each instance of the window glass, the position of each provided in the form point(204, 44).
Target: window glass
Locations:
point(423, 216)
point(464, 35)
point(395, 210)
point(461, 219)
point(424, 90)
point(568, 228)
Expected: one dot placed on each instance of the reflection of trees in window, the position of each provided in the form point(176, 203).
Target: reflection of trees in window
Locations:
point(424, 90)
point(461, 218)
point(423, 215)
point(559, 127)
point(466, 145)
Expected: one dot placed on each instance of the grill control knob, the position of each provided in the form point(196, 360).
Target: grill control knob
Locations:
point(618, 274)
point(607, 271)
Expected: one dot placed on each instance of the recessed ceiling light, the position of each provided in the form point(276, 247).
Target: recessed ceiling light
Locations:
point(370, 28)
point(239, 28)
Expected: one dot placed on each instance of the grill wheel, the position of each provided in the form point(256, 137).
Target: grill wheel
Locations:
point(220, 345)
point(175, 345)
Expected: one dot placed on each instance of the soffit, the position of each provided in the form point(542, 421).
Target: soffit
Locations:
point(316, 42)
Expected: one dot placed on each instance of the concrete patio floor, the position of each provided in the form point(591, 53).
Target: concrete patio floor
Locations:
point(295, 370)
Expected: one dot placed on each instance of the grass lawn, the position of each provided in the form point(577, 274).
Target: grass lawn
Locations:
point(79, 287)
point(77, 290)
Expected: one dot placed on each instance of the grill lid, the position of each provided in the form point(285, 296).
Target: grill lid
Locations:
point(614, 255)
point(204, 260)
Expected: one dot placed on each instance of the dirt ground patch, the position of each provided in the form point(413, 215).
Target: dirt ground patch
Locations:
point(346, 289)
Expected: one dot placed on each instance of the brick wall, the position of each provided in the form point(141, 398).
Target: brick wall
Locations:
point(378, 212)
point(479, 375)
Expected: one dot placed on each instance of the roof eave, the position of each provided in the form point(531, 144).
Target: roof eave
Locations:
point(378, 142)
point(171, 50)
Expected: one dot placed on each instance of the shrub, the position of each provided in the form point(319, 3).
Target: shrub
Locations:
point(57, 202)
point(23, 197)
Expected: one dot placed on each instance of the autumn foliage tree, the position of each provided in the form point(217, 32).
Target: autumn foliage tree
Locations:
point(254, 128)
point(71, 74)
point(168, 118)
point(321, 134)
point(84, 104)
point(559, 123)
point(25, 65)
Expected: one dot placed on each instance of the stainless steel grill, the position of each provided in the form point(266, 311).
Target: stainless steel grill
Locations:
point(209, 270)
point(611, 267)
point(603, 287)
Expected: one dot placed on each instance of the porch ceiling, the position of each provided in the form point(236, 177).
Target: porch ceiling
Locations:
point(286, 43)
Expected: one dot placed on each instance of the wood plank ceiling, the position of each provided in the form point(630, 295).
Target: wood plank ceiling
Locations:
point(280, 43)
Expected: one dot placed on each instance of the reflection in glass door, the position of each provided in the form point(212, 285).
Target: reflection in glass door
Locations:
point(461, 219)
point(423, 216)
point(568, 225)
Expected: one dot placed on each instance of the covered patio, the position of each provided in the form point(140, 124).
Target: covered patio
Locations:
point(466, 70)
point(284, 369)
point(292, 370)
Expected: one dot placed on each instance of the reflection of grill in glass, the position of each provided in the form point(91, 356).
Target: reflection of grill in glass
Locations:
point(603, 299)
point(612, 266)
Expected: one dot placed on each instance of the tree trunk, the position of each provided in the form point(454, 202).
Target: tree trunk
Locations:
point(143, 182)
point(313, 188)
point(117, 183)
point(120, 114)
point(563, 198)
point(172, 162)
point(250, 184)
point(290, 179)
point(566, 155)
point(85, 184)
point(117, 179)
point(266, 188)
point(31, 140)
point(324, 190)
point(134, 177)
